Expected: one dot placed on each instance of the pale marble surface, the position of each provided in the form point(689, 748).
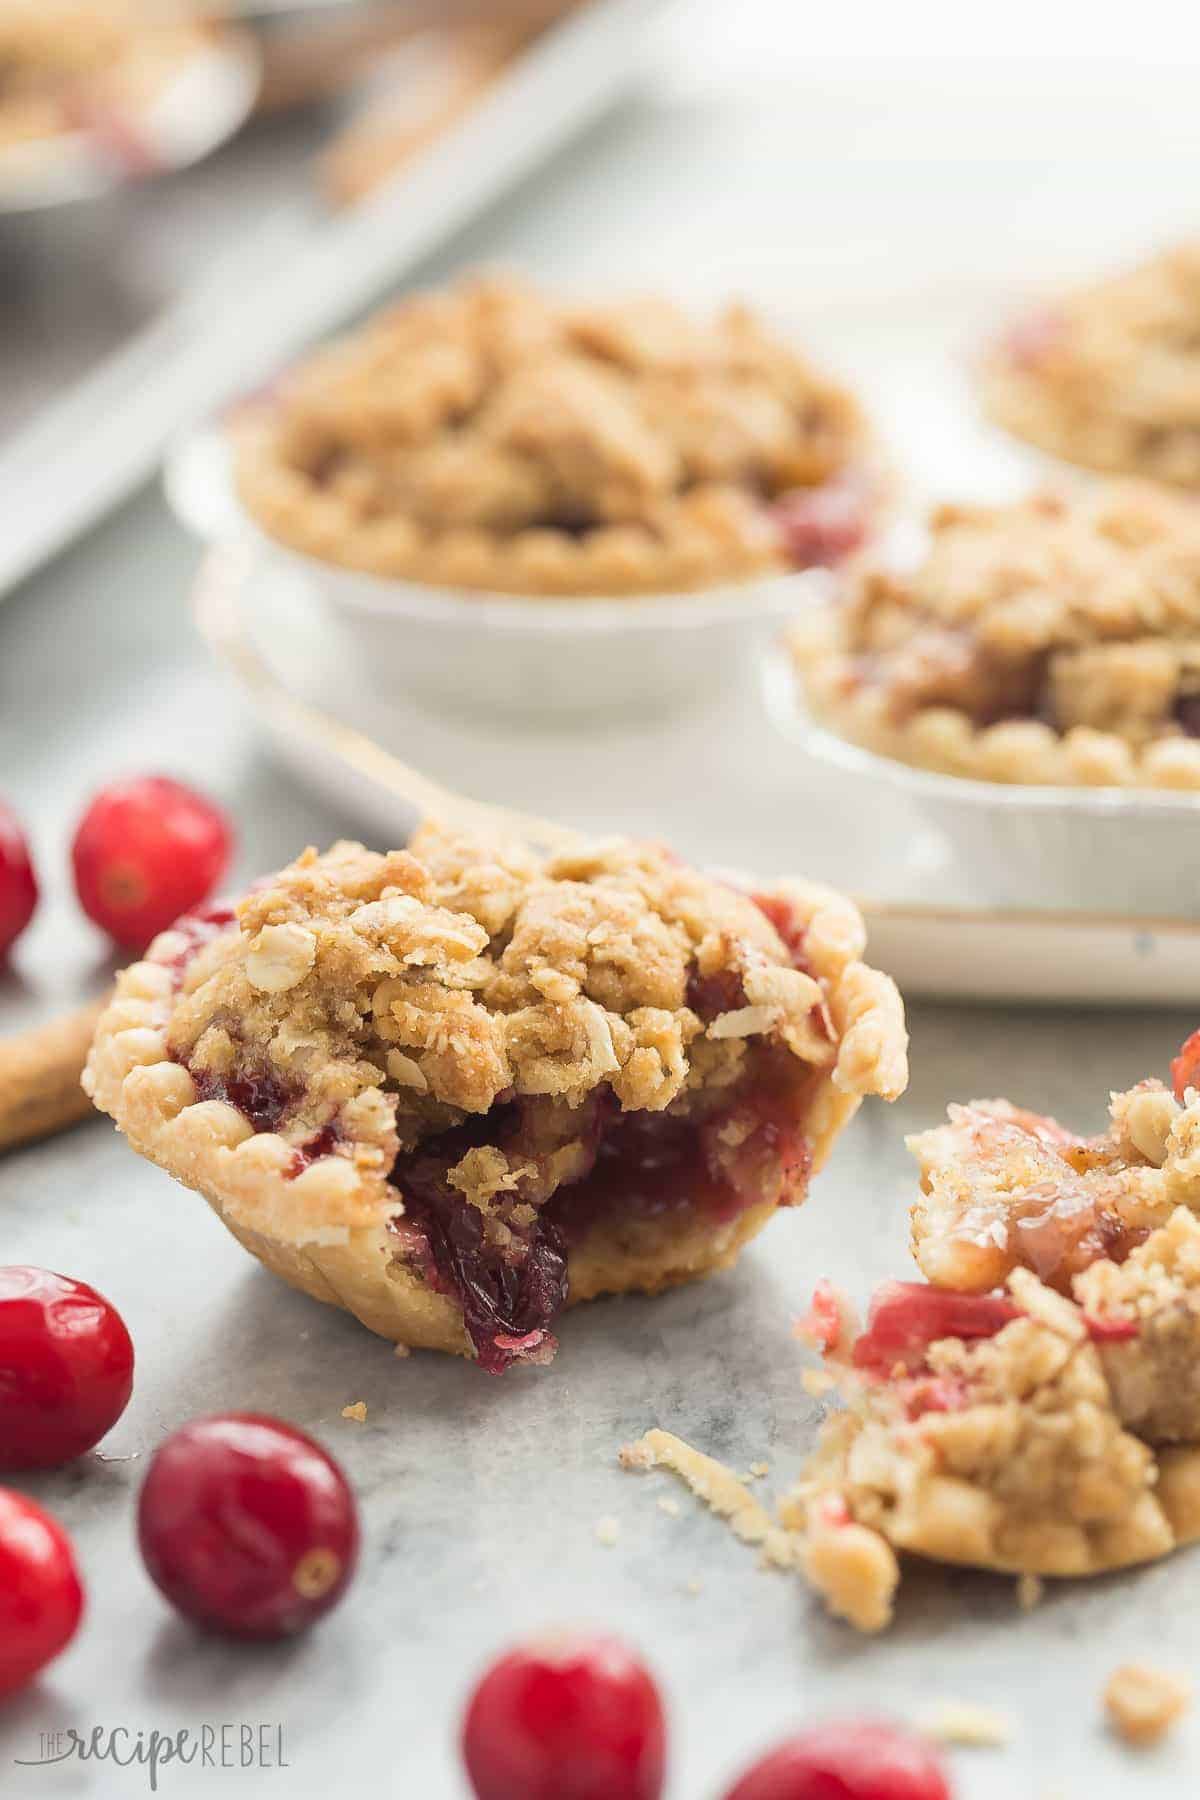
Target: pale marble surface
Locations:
point(480, 1499)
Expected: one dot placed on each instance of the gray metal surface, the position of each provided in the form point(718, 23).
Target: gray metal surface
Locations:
point(480, 1498)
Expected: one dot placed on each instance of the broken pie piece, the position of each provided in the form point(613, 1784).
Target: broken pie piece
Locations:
point(1053, 640)
point(456, 1087)
point(980, 1430)
point(492, 438)
point(1109, 376)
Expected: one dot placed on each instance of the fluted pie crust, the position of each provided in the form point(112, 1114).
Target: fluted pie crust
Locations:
point(1051, 641)
point(583, 990)
point(490, 438)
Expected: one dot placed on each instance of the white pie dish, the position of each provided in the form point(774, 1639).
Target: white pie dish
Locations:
point(1094, 850)
point(510, 656)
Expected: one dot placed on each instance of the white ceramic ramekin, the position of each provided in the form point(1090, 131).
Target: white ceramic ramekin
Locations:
point(1119, 850)
point(520, 658)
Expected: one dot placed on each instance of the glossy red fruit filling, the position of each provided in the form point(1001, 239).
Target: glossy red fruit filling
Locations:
point(248, 1526)
point(821, 526)
point(854, 1760)
point(18, 883)
point(198, 928)
point(147, 851)
point(511, 1297)
point(261, 1095)
point(1185, 1067)
point(41, 1595)
point(788, 924)
point(573, 1718)
point(905, 1317)
point(66, 1367)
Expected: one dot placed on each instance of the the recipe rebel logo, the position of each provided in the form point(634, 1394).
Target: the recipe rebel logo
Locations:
point(228, 1745)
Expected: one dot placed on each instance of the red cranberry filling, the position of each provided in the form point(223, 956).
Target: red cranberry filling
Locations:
point(711, 995)
point(1187, 714)
point(821, 526)
point(509, 1298)
point(794, 934)
point(199, 928)
point(907, 1316)
point(1185, 1068)
point(262, 1096)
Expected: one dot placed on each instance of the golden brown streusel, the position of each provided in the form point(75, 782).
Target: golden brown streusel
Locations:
point(385, 1068)
point(489, 437)
point(1109, 376)
point(1054, 640)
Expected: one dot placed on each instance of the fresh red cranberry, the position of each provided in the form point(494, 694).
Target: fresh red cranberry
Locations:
point(1185, 1069)
point(247, 1526)
point(18, 883)
point(66, 1368)
point(907, 1316)
point(41, 1595)
point(854, 1760)
point(570, 1718)
point(821, 526)
point(146, 851)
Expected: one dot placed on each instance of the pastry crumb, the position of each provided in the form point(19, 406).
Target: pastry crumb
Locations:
point(963, 1723)
point(666, 1504)
point(719, 1488)
point(608, 1530)
point(759, 1469)
point(695, 1585)
point(1030, 1590)
point(358, 1412)
point(401, 1350)
point(1143, 1703)
point(817, 1383)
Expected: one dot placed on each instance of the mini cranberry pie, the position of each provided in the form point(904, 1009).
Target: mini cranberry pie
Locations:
point(456, 1087)
point(1109, 376)
point(71, 65)
point(1055, 640)
point(491, 438)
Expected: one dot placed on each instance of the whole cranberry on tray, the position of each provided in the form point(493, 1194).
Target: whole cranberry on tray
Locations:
point(854, 1759)
point(41, 1595)
point(18, 883)
point(571, 1717)
point(66, 1367)
point(248, 1526)
point(146, 851)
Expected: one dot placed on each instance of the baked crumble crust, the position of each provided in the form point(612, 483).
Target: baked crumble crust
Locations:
point(67, 65)
point(489, 437)
point(1143, 1702)
point(1108, 376)
point(1001, 1452)
point(1053, 640)
point(383, 1068)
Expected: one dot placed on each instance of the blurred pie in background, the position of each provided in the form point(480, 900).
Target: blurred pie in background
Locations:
point(492, 437)
point(79, 65)
point(1109, 376)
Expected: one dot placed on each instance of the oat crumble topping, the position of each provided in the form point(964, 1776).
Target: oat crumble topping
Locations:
point(490, 437)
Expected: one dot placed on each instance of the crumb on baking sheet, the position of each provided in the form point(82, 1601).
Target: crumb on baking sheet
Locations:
point(759, 1469)
point(963, 1723)
point(1143, 1703)
point(720, 1490)
point(695, 1585)
point(608, 1530)
point(1030, 1589)
point(357, 1412)
point(666, 1503)
point(401, 1350)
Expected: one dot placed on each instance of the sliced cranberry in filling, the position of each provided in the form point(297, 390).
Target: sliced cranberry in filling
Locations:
point(821, 526)
point(907, 1316)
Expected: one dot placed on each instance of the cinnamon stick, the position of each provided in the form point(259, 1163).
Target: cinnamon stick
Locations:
point(39, 1077)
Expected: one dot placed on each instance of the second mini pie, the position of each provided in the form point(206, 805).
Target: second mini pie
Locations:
point(1055, 640)
point(491, 438)
point(455, 1087)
